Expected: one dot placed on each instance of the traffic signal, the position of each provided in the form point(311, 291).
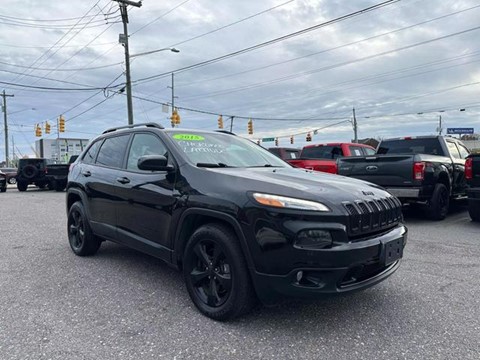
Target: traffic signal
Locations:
point(291, 139)
point(220, 122)
point(47, 128)
point(250, 127)
point(309, 137)
point(175, 118)
point(61, 124)
point(38, 130)
point(276, 141)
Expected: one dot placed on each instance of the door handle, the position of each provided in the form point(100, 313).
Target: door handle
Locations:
point(123, 180)
point(86, 173)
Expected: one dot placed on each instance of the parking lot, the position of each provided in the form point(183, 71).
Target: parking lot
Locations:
point(121, 304)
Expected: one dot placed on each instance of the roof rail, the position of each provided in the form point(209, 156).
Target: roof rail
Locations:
point(225, 132)
point(155, 125)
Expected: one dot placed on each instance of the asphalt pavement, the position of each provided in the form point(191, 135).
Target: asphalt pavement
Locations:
point(122, 304)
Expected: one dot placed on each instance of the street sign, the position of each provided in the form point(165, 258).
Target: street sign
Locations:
point(268, 139)
point(459, 130)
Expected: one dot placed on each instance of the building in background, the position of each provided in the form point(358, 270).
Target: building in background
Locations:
point(60, 149)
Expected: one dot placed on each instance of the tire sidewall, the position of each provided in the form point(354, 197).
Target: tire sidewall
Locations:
point(239, 272)
point(90, 243)
point(437, 211)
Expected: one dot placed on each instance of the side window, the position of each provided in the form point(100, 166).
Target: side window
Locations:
point(356, 150)
point(291, 154)
point(369, 152)
point(144, 144)
point(91, 154)
point(452, 149)
point(463, 151)
point(112, 151)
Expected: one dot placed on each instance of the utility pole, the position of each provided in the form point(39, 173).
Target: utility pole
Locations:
point(5, 124)
point(231, 123)
point(13, 149)
point(355, 136)
point(440, 125)
point(173, 96)
point(124, 41)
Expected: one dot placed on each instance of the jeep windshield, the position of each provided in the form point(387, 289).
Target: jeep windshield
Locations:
point(220, 150)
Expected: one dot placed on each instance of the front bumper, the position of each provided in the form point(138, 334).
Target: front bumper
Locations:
point(360, 265)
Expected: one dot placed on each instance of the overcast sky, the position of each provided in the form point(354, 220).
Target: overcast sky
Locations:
point(400, 66)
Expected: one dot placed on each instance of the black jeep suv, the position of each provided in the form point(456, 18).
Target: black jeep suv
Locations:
point(241, 223)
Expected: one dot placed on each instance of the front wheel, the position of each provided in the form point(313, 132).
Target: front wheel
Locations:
point(12, 181)
point(82, 241)
point(216, 273)
point(3, 189)
point(438, 205)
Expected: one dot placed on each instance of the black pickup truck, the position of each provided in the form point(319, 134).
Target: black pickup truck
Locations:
point(429, 170)
point(43, 173)
point(472, 174)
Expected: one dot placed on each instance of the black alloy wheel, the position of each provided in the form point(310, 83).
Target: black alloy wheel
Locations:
point(439, 203)
point(80, 236)
point(211, 274)
point(216, 273)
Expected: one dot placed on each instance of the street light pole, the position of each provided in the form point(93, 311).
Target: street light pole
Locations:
point(5, 123)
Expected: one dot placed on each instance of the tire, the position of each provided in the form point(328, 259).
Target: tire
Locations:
point(22, 185)
point(82, 241)
point(474, 210)
point(60, 186)
point(12, 180)
point(3, 189)
point(216, 273)
point(29, 172)
point(437, 208)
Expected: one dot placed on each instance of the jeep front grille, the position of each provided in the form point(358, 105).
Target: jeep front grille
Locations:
point(365, 217)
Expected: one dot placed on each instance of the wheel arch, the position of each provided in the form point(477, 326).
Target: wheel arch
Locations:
point(444, 178)
point(193, 218)
point(74, 195)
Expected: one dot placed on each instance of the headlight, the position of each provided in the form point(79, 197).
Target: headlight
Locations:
point(278, 201)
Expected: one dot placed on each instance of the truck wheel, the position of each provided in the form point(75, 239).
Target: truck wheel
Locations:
point(474, 210)
point(12, 180)
point(82, 241)
point(216, 273)
point(437, 208)
point(59, 186)
point(22, 185)
point(3, 189)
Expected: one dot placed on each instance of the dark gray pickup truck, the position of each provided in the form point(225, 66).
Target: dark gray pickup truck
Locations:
point(429, 170)
point(472, 174)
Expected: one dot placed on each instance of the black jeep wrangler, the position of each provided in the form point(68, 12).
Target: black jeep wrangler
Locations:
point(241, 223)
point(42, 172)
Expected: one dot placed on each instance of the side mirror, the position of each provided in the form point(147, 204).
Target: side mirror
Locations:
point(154, 163)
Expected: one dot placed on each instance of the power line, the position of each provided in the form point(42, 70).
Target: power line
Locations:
point(56, 69)
point(57, 89)
point(333, 48)
point(273, 41)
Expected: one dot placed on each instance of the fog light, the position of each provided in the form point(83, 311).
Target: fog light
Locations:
point(313, 239)
point(299, 276)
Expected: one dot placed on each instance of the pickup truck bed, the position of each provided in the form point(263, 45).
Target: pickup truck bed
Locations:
point(429, 170)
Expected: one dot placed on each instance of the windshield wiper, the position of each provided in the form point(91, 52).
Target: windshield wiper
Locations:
point(266, 165)
point(213, 165)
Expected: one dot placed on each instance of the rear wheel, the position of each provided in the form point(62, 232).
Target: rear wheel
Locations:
point(80, 236)
point(216, 273)
point(474, 210)
point(12, 180)
point(22, 185)
point(438, 205)
point(3, 189)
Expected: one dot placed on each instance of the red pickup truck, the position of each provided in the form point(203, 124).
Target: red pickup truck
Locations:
point(323, 157)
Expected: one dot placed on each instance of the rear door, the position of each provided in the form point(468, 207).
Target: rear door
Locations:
point(459, 182)
point(99, 170)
